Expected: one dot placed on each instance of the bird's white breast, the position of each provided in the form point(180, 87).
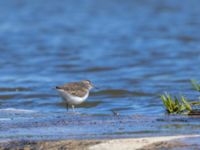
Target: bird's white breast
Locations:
point(71, 99)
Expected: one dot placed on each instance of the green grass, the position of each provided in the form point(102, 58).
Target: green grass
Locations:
point(195, 85)
point(174, 105)
point(195, 103)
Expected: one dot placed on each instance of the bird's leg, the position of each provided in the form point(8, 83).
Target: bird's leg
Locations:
point(67, 106)
point(73, 108)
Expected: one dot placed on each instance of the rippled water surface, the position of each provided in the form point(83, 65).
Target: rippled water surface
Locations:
point(131, 50)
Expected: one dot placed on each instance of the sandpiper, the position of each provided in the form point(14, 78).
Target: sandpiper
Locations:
point(75, 93)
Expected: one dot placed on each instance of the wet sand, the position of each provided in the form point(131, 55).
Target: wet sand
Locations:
point(146, 143)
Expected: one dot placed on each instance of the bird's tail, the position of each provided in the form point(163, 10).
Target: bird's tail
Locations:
point(57, 87)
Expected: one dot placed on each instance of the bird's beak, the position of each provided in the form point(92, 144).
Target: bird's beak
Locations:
point(95, 87)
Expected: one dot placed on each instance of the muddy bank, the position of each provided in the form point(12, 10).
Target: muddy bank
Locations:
point(146, 143)
point(50, 145)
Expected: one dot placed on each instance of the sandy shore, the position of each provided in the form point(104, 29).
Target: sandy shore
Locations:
point(147, 143)
point(142, 143)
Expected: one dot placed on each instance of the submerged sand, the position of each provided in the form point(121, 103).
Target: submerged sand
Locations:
point(146, 143)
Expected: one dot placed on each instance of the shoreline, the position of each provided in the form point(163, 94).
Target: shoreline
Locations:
point(149, 143)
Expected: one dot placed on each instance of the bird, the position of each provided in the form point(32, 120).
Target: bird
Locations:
point(75, 93)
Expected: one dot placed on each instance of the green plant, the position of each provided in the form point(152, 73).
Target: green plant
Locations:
point(195, 103)
point(195, 85)
point(175, 106)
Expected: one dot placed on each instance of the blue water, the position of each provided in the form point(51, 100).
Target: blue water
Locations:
point(133, 51)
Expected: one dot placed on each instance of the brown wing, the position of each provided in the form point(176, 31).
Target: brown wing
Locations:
point(75, 88)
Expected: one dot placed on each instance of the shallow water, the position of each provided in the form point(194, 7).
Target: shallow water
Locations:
point(131, 50)
point(15, 125)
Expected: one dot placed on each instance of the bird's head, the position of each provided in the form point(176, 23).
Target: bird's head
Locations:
point(88, 84)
